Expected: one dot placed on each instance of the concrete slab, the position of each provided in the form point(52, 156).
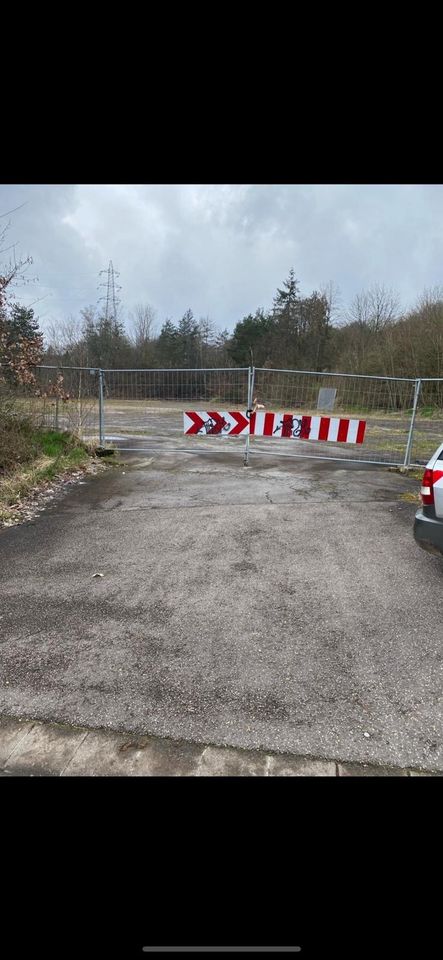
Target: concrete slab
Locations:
point(45, 750)
point(102, 754)
point(223, 762)
point(298, 767)
point(12, 732)
point(361, 770)
point(423, 773)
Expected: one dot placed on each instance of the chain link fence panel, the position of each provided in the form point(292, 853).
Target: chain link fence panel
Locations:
point(428, 426)
point(404, 417)
point(61, 398)
point(386, 404)
point(150, 403)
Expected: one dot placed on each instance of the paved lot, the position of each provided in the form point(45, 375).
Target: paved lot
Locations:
point(283, 606)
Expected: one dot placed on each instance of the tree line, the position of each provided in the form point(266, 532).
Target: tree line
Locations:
point(372, 335)
point(315, 332)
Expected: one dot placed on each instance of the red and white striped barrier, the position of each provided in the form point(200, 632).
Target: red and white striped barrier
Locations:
point(263, 424)
point(300, 427)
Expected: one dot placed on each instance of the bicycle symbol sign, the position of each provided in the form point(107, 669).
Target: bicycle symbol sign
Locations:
point(215, 426)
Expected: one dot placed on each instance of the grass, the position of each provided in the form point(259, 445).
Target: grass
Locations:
point(411, 497)
point(430, 413)
point(416, 474)
point(40, 457)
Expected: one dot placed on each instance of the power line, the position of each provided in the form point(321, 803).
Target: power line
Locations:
point(14, 210)
point(111, 299)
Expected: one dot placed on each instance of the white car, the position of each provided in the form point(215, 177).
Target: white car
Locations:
point(428, 526)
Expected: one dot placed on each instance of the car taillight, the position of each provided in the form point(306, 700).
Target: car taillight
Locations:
point(426, 492)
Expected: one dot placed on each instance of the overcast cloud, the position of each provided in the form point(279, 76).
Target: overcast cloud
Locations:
point(222, 250)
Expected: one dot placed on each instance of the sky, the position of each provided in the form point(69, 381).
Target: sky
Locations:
point(221, 250)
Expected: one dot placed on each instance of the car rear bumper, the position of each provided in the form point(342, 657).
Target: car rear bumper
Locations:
point(428, 532)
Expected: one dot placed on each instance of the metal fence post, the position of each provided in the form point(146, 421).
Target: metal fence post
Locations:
point(407, 459)
point(251, 374)
point(56, 419)
point(101, 410)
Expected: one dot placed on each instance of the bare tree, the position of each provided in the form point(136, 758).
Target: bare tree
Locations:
point(374, 309)
point(428, 315)
point(142, 325)
point(64, 335)
point(12, 271)
point(332, 296)
point(20, 353)
point(429, 301)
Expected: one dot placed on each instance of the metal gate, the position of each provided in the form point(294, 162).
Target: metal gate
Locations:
point(388, 406)
point(143, 409)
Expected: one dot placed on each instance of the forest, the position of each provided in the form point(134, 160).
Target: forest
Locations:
point(372, 335)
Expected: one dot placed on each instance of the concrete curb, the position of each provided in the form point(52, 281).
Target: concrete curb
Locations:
point(34, 749)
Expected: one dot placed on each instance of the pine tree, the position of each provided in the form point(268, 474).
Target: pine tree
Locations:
point(188, 340)
point(288, 319)
point(251, 342)
point(315, 331)
point(22, 323)
point(167, 346)
point(288, 298)
point(105, 340)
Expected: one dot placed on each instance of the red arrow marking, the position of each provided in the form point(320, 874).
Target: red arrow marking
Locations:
point(220, 422)
point(197, 424)
point(242, 422)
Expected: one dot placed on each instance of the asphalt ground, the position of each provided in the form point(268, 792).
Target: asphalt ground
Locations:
point(385, 436)
point(282, 606)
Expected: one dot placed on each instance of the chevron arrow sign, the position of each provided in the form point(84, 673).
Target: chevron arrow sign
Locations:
point(213, 423)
